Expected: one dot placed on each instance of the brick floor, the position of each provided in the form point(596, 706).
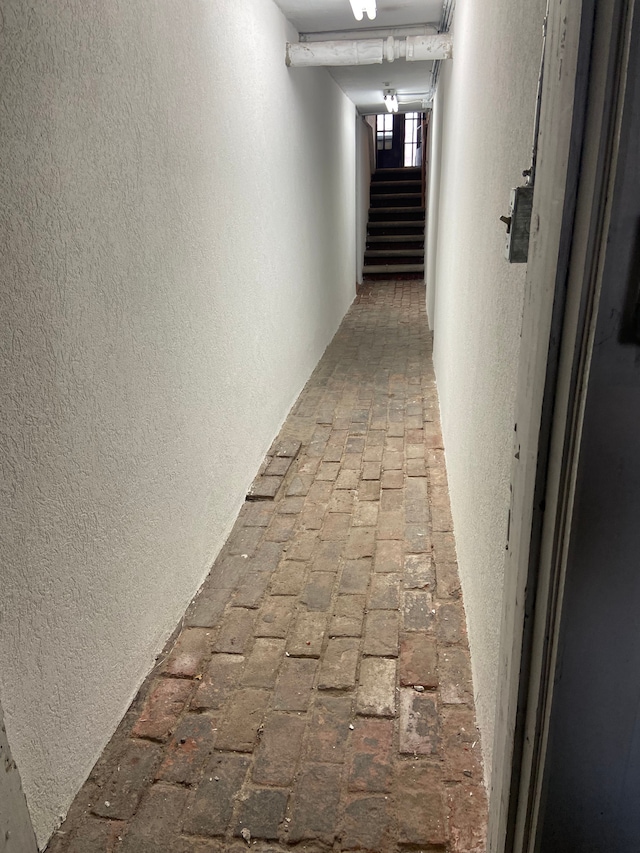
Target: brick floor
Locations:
point(319, 694)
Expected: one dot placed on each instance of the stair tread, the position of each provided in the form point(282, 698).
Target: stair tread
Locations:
point(408, 172)
point(395, 203)
point(379, 184)
point(400, 222)
point(391, 268)
point(395, 238)
point(397, 223)
point(397, 209)
point(394, 253)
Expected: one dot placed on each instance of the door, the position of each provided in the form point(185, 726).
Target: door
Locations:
point(566, 772)
point(390, 140)
point(588, 769)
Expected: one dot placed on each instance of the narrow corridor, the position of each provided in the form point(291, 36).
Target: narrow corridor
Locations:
point(318, 695)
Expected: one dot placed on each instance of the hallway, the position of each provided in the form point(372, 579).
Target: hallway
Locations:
point(319, 691)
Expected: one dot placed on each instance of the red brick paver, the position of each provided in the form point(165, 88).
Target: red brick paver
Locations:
point(319, 694)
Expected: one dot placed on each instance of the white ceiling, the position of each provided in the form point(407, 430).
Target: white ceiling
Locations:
point(312, 16)
point(364, 83)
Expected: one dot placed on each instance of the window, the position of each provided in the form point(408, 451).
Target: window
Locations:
point(384, 131)
point(412, 131)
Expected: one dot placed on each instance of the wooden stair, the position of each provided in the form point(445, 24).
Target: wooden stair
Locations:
point(395, 233)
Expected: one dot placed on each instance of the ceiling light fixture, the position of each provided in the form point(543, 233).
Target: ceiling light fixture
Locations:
point(391, 100)
point(359, 7)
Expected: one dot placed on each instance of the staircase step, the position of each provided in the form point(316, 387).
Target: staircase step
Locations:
point(390, 269)
point(395, 232)
point(396, 200)
point(408, 247)
point(401, 225)
point(396, 238)
point(408, 226)
point(387, 214)
point(394, 253)
point(413, 173)
point(383, 187)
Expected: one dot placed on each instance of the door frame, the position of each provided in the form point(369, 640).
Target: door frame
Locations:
point(396, 152)
point(584, 77)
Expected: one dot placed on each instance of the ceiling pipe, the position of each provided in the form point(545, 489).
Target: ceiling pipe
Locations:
point(448, 9)
point(334, 53)
point(369, 51)
point(372, 33)
point(424, 100)
point(421, 48)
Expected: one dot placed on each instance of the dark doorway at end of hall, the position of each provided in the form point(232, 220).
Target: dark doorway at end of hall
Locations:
point(399, 140)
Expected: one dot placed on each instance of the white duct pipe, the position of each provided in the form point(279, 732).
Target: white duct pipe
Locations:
point(420, 48)
point(369, 51)
point(355, 52)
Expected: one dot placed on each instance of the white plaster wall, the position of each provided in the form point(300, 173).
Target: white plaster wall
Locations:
point(487, 95)
point(178, 244)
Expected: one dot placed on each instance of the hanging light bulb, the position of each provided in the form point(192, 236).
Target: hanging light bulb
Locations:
point(359, 7)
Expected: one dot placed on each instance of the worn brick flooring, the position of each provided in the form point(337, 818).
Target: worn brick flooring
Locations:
point(318, 696)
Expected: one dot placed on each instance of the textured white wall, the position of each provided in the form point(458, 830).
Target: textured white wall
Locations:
point(178, 244)
point(488, 94)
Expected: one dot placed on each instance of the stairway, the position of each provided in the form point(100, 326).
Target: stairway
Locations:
point(395, 234)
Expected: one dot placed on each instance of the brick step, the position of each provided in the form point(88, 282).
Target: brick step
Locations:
point(268, 482)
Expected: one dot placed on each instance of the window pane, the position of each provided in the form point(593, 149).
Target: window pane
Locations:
point(412, 127)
